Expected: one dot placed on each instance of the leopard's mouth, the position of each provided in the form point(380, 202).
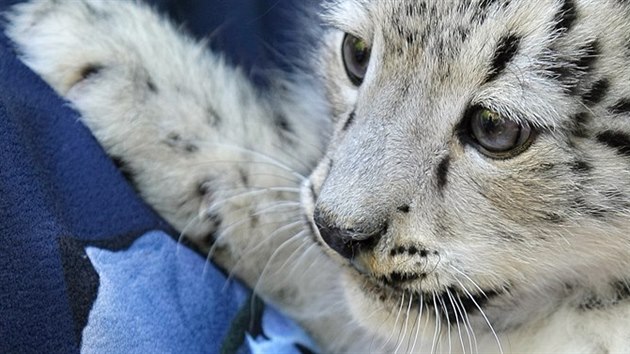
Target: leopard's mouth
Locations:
point(452, 304)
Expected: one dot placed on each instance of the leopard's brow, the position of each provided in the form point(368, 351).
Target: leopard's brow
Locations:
point(350, 16)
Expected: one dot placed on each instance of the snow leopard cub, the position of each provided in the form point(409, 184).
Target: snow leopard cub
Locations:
point(474, 194)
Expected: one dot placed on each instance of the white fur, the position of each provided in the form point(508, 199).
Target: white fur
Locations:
point(154, 99)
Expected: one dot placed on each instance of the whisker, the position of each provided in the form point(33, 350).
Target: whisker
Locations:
point(268, 238)
point(217, 204)
point(301, 259)
point(227, 232)
point(296, 251)
point(263, 242)
point(263, 156)
point(182, 234)
point(295, 179)
point(468, 325)
point(457, 320)
point(404, 331)
point(448, 324)
point(389, 314)
point(483, 314)
point(293, 254)
point(437, 324)
point(402, 301)
point(418, 320)
point(293, 238)
point(470, 280)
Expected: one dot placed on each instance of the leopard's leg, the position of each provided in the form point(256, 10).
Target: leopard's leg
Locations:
point(174, 114)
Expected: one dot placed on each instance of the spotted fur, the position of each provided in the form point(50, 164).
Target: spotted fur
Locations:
point(406, 235)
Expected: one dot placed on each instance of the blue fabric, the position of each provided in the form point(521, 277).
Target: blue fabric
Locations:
point(84, 263)
point(155, 278)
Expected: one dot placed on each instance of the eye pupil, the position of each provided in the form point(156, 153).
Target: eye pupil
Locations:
point(497, 136)
point(356, 57)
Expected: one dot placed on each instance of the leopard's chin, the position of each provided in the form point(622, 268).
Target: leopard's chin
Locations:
point(450, 305)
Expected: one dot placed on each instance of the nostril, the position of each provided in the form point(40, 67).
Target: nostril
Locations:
point(347, 242)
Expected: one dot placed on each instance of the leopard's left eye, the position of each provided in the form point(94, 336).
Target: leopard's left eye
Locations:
point(497, 136)
point(356, 57)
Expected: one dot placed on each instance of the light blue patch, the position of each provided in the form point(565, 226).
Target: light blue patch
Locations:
point(159, 296)
point(281, 336)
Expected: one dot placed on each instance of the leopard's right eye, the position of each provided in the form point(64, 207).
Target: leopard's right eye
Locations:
point(498, 137)
point(356, 57)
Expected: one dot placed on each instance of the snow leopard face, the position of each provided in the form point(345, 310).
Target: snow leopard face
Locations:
point(481, 153)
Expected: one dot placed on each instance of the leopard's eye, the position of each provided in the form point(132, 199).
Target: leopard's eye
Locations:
point(356, 57)
point(498, 137)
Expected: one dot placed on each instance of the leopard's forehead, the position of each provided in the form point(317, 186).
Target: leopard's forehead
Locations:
point(534, 61)
point(442, 25)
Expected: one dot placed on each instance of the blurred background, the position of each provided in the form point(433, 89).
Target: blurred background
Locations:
point(253, 34)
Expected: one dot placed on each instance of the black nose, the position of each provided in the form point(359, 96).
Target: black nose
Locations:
point(347, 242)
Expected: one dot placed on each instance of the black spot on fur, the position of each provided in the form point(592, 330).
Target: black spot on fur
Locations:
point(623, 289)
point(463, 33)
point(244, 177)
point(543, 167)
point(281, 121)
point(570, 71)
point(285, 129)
point(485, 4)
point(397, 251)
point(151, 86)
point(507, 49)
point(586, 63)
point(565, 18)
point(591, 303)
point(98, 13)
point(620, 292)
point(254, 220)
point(90, 70)
point(397, 277)
point(404, 208)
point(482, 11)
point(174, 137)
point(597, 92)
point(581, 167)
point(442, 172)
point(349, 121)
point(580, 123)
point(591, 210)
point(175, 141)
point(411, 251)
point(553, 218)
point(215, 220)
point(617, 140)
point(203, 188)
point(410, 38)
point(621, 107)
point(212, 117)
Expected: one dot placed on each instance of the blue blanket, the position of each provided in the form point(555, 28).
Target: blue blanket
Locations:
point(85, 265)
